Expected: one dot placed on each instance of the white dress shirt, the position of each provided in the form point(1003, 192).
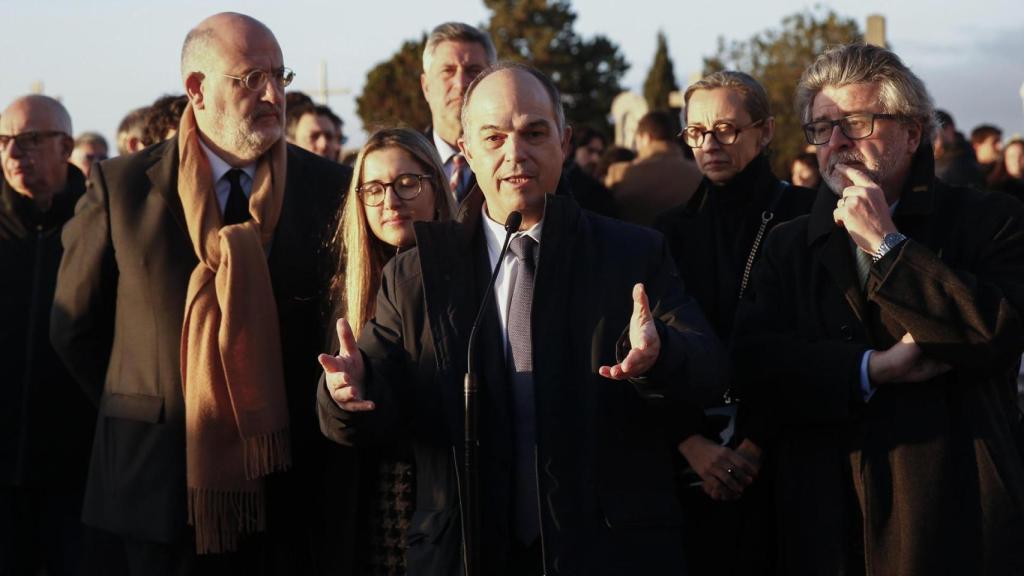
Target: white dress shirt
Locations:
point(494, 234)
point(221, 185)
point(446, 151)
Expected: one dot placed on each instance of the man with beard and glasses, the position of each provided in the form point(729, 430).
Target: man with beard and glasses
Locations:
point(881, 344)
point(188, 308)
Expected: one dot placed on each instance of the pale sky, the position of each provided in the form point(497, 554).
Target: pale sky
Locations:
point(106, 57)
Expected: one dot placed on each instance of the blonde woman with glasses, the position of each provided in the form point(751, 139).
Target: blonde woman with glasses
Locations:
point(398, 180)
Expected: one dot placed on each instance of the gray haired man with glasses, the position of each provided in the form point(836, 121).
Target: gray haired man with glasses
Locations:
point(882, 343)
point(187, 435)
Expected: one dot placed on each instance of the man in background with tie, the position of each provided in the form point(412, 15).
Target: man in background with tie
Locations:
point(455, 53)
point(585, 350)
point(188, 307)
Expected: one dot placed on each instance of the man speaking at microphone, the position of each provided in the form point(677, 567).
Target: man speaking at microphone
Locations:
point(585, 350)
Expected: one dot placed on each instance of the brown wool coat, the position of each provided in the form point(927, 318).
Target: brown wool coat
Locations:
point(926, 477)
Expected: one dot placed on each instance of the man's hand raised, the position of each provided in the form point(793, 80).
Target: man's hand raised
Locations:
point(344, 373)
point(643, 337)
point(863, 210)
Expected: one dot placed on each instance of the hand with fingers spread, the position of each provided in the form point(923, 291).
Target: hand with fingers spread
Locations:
point(904, 362)
point(643, 338)
point(725, 472)
point(863, 210)
point(344, 373)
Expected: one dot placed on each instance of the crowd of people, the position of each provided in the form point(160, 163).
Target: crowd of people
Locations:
point(233, 349)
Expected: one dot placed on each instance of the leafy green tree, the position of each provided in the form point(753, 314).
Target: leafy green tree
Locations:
point(661, 78)
point(588, 72)
point(777, 58)
point(392, 94)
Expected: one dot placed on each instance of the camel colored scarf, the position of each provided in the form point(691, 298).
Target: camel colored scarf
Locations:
point(236, 416)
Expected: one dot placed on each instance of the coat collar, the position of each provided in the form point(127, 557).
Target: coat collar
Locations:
point(917, 198)
point(19, 211)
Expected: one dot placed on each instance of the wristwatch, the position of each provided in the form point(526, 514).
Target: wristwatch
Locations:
point(889, 241)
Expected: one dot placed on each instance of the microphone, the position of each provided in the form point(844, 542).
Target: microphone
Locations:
point(512, 223)
point(470, 508)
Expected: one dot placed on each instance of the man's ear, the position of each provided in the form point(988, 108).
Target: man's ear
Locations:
point(768, 132)
point(461, 143)
point(566, 141)
point(67, 145)
point(423, 85)
point(194, 90)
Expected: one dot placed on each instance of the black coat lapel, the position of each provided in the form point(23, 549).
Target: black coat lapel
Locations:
point(836, 254)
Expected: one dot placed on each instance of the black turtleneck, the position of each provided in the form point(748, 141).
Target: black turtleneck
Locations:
point(711, 237)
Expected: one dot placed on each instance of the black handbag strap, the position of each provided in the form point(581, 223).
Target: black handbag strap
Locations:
point(767, 216)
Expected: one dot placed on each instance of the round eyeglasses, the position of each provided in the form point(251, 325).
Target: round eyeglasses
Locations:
point(257, 79)
point(406, 186)
point(853, 126)
point(724, 133)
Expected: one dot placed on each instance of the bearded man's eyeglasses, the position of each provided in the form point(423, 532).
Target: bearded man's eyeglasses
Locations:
point(853, 126)
point(256, 80)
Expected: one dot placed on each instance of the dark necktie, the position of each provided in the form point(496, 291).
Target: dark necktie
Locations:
point(520, 366)
point(455, 180)
point(236, 209)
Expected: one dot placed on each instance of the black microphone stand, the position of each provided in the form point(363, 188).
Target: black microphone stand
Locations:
point(471, 498)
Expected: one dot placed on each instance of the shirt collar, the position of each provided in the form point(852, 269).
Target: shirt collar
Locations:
point(444, 149)
point(220, 167)
point(495, 232)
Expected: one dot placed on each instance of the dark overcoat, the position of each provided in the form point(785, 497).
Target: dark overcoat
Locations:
point(117, 321)
point(922, 478)
point(604, 448)
point(45, 419)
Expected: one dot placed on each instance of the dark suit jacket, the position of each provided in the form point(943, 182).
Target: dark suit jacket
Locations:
point(933, 465)
point(470, 183)
point(117, 319)
point(604, 448)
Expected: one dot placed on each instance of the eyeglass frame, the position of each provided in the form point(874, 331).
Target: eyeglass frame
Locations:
point(385, 185)
point(838, 122)
point(37, 135)
point(704, 133)
point(284, 76)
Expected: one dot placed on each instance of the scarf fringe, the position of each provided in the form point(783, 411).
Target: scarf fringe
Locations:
point(221, 517)
point(267, 453)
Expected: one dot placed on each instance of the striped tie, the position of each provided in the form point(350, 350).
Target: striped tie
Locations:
point(520, 366)
point(455, 180)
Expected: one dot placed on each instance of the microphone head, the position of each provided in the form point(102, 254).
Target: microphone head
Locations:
point(513, 221)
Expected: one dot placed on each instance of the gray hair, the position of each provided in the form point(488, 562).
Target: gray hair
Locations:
point(549, 86)
point(755, 98)
point(199, 47)
point(202, 42)
point(457, 32)
point(902, 92)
